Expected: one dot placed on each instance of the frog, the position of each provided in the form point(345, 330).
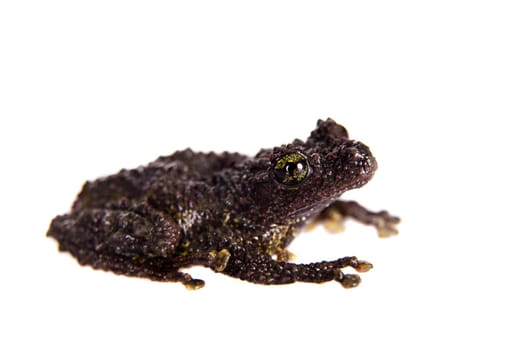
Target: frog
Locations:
point(232, 213)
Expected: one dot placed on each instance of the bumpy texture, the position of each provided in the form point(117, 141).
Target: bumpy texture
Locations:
point(232, 213)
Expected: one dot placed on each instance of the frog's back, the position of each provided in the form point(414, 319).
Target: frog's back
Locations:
point(199, 165)
point(180, 170)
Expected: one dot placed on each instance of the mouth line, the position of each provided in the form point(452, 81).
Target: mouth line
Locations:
point(313, 208)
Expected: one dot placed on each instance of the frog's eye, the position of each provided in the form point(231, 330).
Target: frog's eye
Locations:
point(291, 169)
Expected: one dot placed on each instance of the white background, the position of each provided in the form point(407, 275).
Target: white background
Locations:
point(436, 89)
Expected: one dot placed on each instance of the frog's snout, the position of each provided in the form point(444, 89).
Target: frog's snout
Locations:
point(360, 162)
point(369, 163)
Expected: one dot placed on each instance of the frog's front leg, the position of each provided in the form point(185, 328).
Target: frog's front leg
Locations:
point(333, 216)
point(265, 270)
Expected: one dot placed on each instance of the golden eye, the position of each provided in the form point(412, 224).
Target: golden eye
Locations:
point(291, 169)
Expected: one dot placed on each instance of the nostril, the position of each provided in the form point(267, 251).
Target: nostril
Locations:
point(368, 165)
point(362, 158)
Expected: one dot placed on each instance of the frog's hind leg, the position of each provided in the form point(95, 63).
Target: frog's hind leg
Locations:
point(332, 218)
point(164, 267)
point(135, 240)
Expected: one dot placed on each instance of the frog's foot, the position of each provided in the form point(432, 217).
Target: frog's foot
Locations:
point(218, 260)
point(385, 223)
point(334, 215)
point(348, 280)
point(190, 282)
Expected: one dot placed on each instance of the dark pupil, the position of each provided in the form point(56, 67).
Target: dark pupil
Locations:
point(292, 173)
point(294, 168)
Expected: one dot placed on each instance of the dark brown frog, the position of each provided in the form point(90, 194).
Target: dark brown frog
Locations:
point(232, 213)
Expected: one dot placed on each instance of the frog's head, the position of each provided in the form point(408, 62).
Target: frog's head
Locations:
point(299, 179)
